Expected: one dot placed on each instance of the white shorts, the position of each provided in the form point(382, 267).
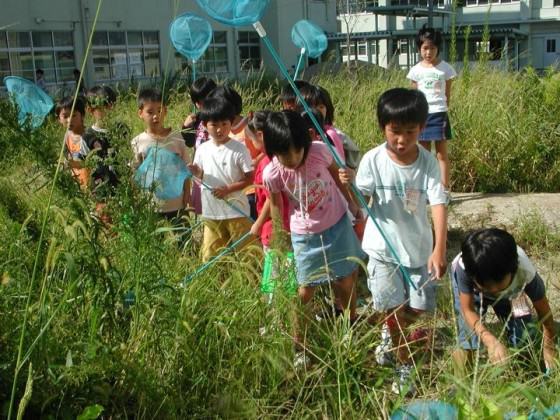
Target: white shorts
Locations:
point(389, 288)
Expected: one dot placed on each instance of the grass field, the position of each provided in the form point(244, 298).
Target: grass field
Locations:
point(110, 330)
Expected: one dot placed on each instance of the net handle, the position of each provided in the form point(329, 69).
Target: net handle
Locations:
point(300, 61)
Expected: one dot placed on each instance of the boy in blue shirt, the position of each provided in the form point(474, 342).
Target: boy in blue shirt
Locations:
point(492, 270)
point(401, 178)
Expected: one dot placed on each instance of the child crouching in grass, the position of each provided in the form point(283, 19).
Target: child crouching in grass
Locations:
point(492, 270)
point(325, 247)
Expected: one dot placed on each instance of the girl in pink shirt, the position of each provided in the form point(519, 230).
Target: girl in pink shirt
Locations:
point(325, 246)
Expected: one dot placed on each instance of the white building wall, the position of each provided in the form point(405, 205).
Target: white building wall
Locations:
point(144, 15)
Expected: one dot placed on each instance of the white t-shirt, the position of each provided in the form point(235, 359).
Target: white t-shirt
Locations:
point(173, 142)
point(399, 194)
point(431, 82)
point(223, 164)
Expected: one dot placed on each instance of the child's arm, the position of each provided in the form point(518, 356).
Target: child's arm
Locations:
point(264, 215)
point(187, 193)
point(437, 263)
point(497, 352)
point(545, 317)
point(224, 190)
point(354, 209)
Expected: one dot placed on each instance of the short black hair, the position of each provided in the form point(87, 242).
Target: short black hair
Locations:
point(257, 121)
point(325, 99)
point(318, 116)
point(66, 103)
point(402, 106)
point(217, 109)
point(489, 255)
point(101, 95)
point(149, 95)
point(429, 34)
point(287, 94)
point(39, 71)
point(230, 95)
point(285, 130)
point(200, 89)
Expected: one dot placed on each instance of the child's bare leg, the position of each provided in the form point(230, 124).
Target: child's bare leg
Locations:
point(345, 293)
point(426, 145)
point(443, 160)
point(305, 294)
point(397, 322)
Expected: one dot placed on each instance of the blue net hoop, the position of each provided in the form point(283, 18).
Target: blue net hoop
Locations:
point(235, 12)
point(164, 172)
point(426, 410)
point(30, 100)
point(190, 35)
point(306, 34)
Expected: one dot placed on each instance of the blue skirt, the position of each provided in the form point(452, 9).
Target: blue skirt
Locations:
point(330, 255)
point(437, 128)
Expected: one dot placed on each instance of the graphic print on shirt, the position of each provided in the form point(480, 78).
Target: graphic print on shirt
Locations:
point(433, 85)
point(307, 196)
point(410, 196)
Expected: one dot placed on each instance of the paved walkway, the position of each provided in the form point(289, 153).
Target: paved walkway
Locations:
point(504, 208)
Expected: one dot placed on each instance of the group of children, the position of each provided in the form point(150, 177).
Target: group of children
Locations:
point(274, 168)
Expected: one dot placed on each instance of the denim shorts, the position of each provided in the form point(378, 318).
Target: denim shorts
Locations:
point(389, 288)
point(437, 128)
point(330, 255)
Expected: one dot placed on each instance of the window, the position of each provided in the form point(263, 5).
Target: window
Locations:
point(355, 6)
point(121, 55)
point(249, 50)
point(421, 3)
point(21, 53)
point(485, 2)
point(362, 48)
point(550, 45)
point(400, 46)
point(556, 3)
point(214, 60)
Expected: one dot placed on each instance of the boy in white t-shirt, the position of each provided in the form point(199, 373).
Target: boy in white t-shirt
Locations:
point(225, 168)
point(401, 177)
point(158, 139)
point(433, 77)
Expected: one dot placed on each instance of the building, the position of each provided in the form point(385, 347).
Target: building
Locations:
point(521, 32)
point(131, 39)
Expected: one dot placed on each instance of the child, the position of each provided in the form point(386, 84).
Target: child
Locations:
point(193, 131)
point(324, 244)
point(152, 110)
point(288, 98)
point(238, 132)
point(433, 77)
point(74, 144)
point(225, 166)
point(401, 177)
point(263, 223)
point(492, 270)
point(103, 178)
point(318, 100)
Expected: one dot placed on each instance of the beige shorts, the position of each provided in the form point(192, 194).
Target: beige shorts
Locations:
point(218, 234)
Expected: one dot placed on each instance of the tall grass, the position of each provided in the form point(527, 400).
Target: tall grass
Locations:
point(110, 323)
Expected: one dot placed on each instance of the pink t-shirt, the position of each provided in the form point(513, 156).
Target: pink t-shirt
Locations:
point(338, 143)
point(261, 196)
point(315, 202)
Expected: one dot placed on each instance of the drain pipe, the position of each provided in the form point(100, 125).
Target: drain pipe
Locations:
point(83, 17)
